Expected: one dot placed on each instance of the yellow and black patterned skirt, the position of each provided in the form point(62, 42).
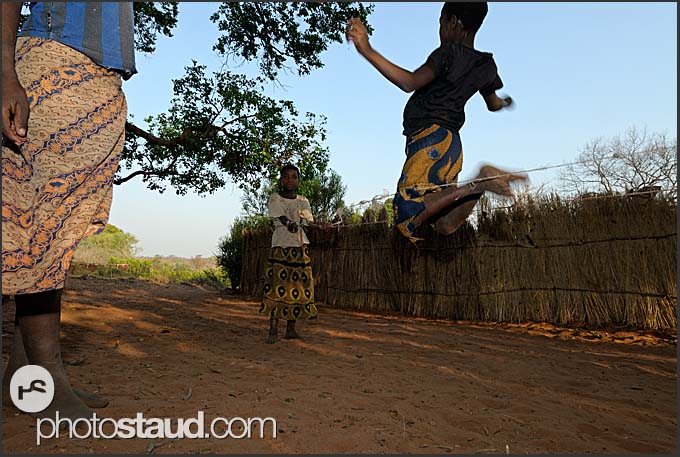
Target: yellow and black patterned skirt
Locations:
point(289, 285)
point(434, 157)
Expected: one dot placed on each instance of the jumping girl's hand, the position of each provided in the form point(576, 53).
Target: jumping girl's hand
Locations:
point(356, 32)
point(496, 103)
point(507, 102)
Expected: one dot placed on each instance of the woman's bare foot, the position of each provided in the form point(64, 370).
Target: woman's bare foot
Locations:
point(291, 334)
point(65, 401)
point(91, 399)
point(451, 206)
point(18, 359)
point(38, 316)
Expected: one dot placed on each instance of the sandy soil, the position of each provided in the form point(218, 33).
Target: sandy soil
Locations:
point(355, 383)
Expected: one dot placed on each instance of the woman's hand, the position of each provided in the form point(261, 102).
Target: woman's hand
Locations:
point(14, 111)
point(14, 116)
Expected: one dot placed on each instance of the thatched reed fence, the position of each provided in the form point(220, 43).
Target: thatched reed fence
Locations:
point(579, 262)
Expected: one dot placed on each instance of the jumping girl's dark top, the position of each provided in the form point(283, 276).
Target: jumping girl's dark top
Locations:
point(460, 72)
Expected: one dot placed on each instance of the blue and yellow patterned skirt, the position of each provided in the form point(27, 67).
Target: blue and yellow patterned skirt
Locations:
point(434, 157)
point(57, 187)
point(289, 285)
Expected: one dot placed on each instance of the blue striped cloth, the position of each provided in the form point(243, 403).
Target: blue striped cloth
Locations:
point(103, 31)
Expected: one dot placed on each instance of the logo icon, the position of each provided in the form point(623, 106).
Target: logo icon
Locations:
point(32, 388)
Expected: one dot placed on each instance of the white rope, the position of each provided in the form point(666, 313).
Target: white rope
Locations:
point(576, 198)
point(385, 195)
point(376, 199)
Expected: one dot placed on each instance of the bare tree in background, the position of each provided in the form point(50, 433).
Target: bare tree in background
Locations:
point(634, 162)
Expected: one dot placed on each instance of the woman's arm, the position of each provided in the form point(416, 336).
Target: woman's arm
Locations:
point(14, 101)
point(495, 103)
point(405, 80)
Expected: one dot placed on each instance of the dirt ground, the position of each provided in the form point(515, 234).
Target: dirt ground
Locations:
point(355, 383)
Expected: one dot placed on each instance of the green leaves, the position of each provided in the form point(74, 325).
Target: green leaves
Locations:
point(221, 127)
point(279, 32)
point(324, 190)
point(112, 242)
point(152, 18)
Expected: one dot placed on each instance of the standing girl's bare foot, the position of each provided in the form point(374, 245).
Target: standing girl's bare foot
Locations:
point(291, 334)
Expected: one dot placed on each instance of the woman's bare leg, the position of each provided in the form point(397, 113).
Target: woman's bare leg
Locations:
point(463, 199)
point(18, 359)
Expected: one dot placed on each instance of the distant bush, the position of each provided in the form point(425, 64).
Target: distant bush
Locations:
point(141, 269)
point(112, 242)
point(111, 254)
point(156, 269)
point(230, 247)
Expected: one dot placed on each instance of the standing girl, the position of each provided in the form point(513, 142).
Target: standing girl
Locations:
point(288, 280)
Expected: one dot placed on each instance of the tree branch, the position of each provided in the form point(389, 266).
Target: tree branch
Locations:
point(146, 173)
point(265, 37)
point(120, 181)
point(151, 138)
point(188, 132)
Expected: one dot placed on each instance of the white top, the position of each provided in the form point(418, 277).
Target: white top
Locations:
point(298, 211)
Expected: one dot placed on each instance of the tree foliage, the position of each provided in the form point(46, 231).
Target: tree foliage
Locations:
point(279, 32)
point(636, 161)
point(255, 201)
point(112, 242)
point(221, 127)
point(324, 190)
point(152, 18)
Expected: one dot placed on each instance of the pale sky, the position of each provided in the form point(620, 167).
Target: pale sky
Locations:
point(577, 71)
